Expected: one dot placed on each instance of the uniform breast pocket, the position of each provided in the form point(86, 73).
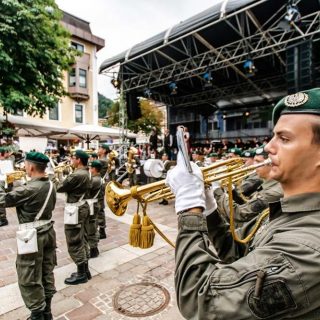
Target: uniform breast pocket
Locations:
point(267, 292)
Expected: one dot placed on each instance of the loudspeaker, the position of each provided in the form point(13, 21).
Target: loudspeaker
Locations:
point(133, 108)
point(300, 67)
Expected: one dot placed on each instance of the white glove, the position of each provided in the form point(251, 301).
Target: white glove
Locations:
point(187, 188)
point(211, 203)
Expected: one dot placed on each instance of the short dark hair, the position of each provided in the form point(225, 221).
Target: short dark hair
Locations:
point(40, 167)
point(315, 126)
point(84, 161)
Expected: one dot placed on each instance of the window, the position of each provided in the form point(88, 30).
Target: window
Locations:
point(78, 113)
point(82, 78)
point(18, 112)
point(54, 113)
point(77, 46)
point(72, 77)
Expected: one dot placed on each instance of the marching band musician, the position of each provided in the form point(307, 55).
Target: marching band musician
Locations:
point(197, 158)
point(35, 270)
point(274, 276)
point(167, 165)
point(132, 165)
point(96, 197)
point(77, 187)
point(112, 165)
point(3, 157)
point(269, 191)
point(102, 157)
point(244, 188)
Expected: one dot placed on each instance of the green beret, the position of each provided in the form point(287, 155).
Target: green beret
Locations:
point(94, 155)
point(37, 157)
point(261, 152)
point(81, 154)
point(248, 154)
point(3, 149)
point(237, 151)
point(305, 102)
point(196, 152)
point(96, 164)
point(105, 147)
point(213, 154)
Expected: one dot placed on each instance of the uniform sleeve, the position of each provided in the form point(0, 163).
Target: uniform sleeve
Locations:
point(249, 186)
point(265, 284)
point(68, 184)
point(242, 212)
point(16, 197)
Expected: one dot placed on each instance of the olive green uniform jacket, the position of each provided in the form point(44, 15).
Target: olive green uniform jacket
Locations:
point(250, 184)
point(75, 186)
point(275, 276)
point(97, 190)
point(35, 270)
point(269, 191)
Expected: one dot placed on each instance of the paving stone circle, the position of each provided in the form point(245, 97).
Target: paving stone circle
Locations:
point(141, 299)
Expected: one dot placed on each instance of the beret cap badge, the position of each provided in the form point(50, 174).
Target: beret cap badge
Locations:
point(296, 100)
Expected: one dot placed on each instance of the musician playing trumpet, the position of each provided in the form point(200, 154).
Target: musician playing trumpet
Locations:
point(269, 191)
point(275, 274)
point(132, 165)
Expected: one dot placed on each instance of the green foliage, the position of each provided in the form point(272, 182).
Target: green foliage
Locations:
point(104, 105)
point(150, 117)
point(34, 52)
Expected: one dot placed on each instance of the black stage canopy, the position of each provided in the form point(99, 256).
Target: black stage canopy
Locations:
point(219, 40)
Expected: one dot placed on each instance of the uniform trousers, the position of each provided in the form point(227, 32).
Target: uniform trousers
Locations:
point(35, 271)
point(77, 238)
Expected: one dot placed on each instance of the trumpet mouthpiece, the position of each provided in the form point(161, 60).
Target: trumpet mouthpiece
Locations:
point(268, 162)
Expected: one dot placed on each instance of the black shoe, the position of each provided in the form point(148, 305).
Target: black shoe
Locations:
point(102, 232)
point(161, 202)
point(47, 315)
point(79, 277)
point(3, 222)
point(36, 315)
point(86, 266)
point(165, 202)
point(94, 252)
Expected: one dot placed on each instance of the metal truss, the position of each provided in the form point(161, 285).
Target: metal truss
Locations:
point(274, 86)
point(260, 40)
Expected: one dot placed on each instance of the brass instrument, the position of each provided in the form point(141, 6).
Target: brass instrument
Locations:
point(130, 161)
point(111, 160)
point(62, 170)
point(117, 198)
point(14, 176)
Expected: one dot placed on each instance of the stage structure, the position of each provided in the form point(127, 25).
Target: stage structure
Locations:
point(221, 71)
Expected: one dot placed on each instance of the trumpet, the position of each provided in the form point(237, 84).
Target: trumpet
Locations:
point(117, 198)
point(112, 155)
point(14, 176)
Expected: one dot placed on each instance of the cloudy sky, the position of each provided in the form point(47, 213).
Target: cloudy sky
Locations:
point(124, 23)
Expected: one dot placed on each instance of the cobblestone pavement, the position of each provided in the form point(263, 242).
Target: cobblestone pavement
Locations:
point(118, 266)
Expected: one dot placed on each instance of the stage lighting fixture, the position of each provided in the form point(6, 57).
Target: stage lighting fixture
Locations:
point(147, 93)
point(116, 83)
point(293, 14)
point(249, 68)
point(173, 88)
point(246, 113)
point(207, 77)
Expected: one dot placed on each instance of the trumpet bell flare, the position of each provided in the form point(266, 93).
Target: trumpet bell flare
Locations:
point(117, 198)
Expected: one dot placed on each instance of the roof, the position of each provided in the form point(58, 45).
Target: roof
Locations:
point(212, 14)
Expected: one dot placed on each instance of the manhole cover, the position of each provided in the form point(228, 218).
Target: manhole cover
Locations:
point(141, 299)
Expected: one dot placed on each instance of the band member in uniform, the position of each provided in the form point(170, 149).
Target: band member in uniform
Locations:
point(77, 187)
point(167, 164)
point(132, 164)
point(269, 191)
point(35, 270)
point(96, 193)
point(197, 158)
point(3, 157)
point(103, 153)
point(273, 276)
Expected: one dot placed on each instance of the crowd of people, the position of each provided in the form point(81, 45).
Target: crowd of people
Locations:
point(265, 256)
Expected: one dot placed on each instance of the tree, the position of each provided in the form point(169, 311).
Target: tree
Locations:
point(34, 52)
point(104, 105)
point(150, 118)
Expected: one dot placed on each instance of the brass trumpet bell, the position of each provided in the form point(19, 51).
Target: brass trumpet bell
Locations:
point(117, 198)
